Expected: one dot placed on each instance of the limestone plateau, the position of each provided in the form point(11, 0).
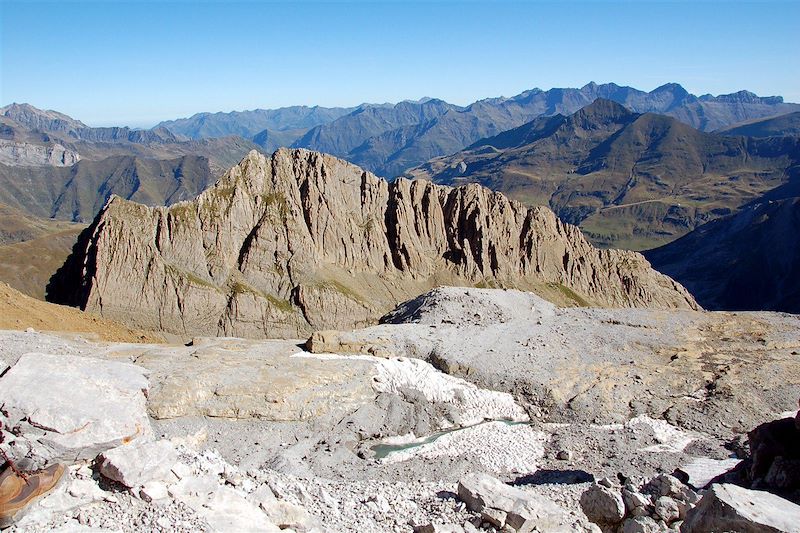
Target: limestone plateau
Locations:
point(300, 241)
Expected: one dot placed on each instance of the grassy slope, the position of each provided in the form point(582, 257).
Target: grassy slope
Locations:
point(19, 312)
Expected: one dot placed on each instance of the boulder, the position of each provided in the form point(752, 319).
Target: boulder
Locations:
point(634, 500)
point(523, 511)
point(641, 524)
point(667, 509)
point(71, 408)
point(603, 505)
point(665, 485)
point(342, 342)
point(775, 456)
point(728, 507)
point(136, 464)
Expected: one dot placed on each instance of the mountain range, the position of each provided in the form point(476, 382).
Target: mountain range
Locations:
point(269, 128)
point(390, 139)
point(54, 166)
point(628, 180)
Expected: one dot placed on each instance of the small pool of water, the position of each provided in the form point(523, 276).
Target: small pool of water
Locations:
point(383, 450)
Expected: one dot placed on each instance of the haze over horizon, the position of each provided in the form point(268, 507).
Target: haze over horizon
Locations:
point(217, 56)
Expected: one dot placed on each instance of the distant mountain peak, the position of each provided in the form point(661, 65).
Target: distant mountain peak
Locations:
point(747, 97)
point(40, 119)
point(603, 110)
point(671, 87)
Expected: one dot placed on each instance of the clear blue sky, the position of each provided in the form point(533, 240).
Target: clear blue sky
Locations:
point(136, 63)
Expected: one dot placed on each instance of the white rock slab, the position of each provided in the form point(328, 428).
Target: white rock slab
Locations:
point(225, 509)
point(728, 507)
point(83, 406)
point(472, 403)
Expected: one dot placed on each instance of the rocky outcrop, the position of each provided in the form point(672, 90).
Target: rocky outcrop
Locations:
point(775, 457)
point(599, 365)
point(299, 241)
point(658, 504)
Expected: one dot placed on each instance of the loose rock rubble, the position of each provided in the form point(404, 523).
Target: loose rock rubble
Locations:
point(658, 504)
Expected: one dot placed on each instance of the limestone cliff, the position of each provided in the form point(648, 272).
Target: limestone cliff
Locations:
point(25, 154)
point(300, 241)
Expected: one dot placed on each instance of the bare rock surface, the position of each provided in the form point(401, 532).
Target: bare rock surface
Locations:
point(712, 373)
point(304, 241)
point(236, 378)
point(549, 402)
point(30, 154)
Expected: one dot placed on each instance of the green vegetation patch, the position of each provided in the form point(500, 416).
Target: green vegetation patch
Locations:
point(570, 294)
point(190, 277)
point(279, 203)
point(183, 212)
point(237, 287)
point(488, 284)
point(335, 286)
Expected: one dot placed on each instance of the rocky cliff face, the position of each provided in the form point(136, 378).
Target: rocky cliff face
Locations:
point(300, 241)
point(28, 154)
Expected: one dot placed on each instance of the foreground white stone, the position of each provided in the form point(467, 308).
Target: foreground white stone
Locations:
point(75, 407)
point(134, 465)
point(728, 507)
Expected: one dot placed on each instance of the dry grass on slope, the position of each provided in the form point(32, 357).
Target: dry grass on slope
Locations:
point(21, 312)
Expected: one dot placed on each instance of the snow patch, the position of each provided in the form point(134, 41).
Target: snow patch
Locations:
point(473, 404)
point(670, 438)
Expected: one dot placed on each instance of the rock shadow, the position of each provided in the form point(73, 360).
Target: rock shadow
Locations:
point(554, 477)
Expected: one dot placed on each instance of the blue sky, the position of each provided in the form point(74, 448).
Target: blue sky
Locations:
point(135, 63)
